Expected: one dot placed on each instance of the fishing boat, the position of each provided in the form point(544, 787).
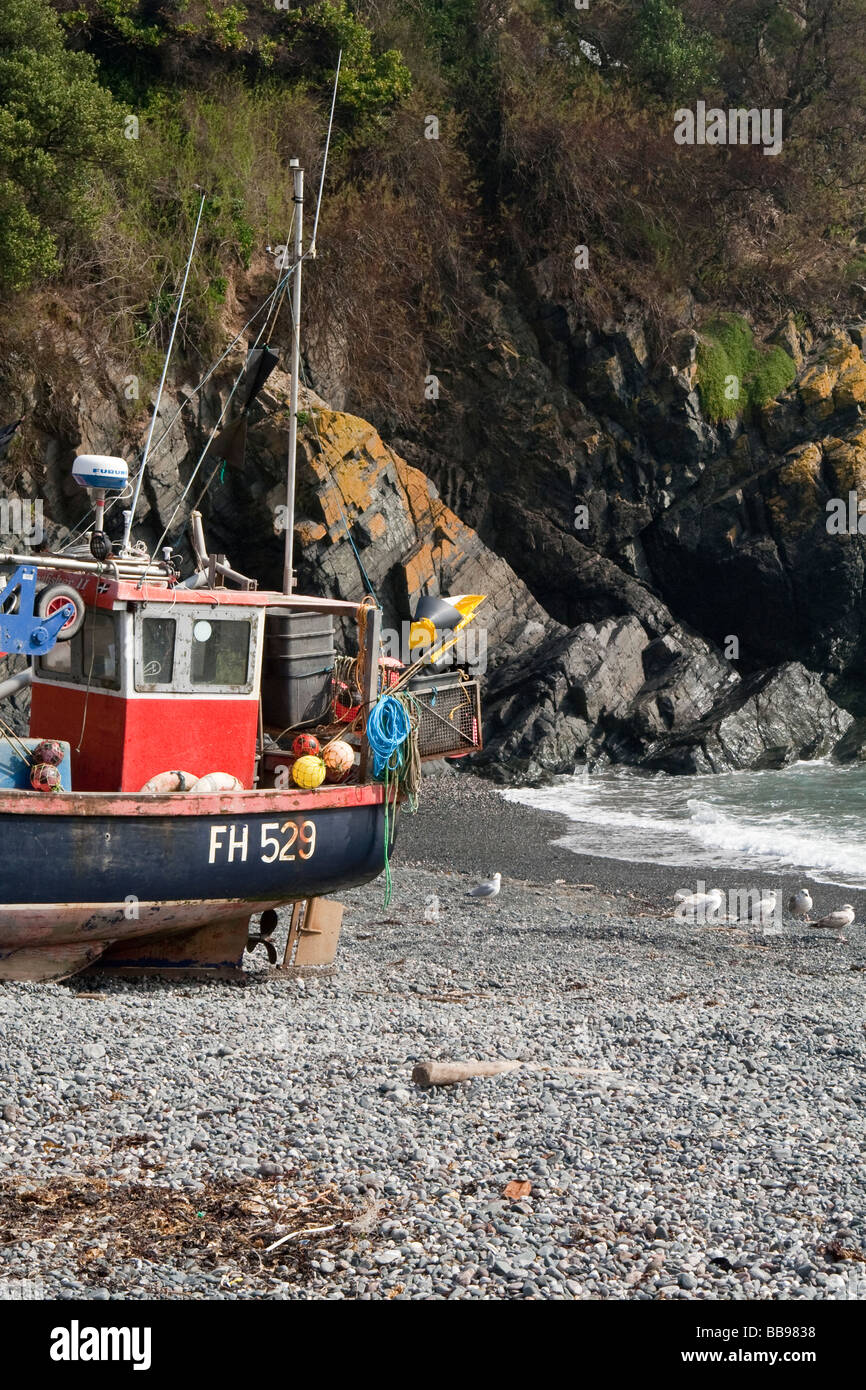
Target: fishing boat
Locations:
point(155, 810)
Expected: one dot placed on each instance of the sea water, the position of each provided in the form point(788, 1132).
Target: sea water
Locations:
point(809, 817)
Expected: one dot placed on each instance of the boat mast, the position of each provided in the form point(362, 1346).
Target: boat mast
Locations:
point(298, 200)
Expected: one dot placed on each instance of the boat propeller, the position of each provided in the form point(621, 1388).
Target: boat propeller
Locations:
point(267, 926)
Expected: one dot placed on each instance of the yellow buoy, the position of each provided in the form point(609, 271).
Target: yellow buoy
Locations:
point(309, 771)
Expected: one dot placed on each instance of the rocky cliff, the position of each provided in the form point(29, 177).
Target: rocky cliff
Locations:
point(663, 591)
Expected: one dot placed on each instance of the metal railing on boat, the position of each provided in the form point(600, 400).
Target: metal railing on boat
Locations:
point(123, 570)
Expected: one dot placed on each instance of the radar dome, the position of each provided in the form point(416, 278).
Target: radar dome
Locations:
point(102, 471)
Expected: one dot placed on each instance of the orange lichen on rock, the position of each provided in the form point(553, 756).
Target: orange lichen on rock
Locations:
point(308, 532)
point(851, 388)
point(796, 503)
point(842, 363)
point(848, 464)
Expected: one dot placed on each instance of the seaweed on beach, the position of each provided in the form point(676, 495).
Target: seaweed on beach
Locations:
point(228, 1224)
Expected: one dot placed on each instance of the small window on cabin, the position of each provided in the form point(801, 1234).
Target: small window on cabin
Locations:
point(90, 658)
point(99, 658)
point(157, 650)
point(220, 652)
point(57, 662)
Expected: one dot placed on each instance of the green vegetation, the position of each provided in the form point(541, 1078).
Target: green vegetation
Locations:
point(554, 128)
point(59, 130)
point(673, 58)
point(735, 375)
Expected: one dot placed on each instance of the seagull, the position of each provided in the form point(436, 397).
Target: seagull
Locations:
point(836, 921)
point(488, 889)
point(705, 904)
point(800, 904)
point(763, 910)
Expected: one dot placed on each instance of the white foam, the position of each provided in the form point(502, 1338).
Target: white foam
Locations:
point(810, 817)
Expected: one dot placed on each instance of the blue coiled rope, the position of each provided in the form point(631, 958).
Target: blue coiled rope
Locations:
point(388, 730)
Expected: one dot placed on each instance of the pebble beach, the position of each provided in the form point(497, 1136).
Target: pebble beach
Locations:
point(689, 1124)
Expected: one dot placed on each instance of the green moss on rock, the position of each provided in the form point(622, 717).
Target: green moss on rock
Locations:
point(735, 374)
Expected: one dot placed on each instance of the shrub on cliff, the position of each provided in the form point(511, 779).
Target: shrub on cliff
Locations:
point(674, 58)
point(58, 130)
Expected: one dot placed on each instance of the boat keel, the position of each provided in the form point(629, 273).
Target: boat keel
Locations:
point(42, 964)
point(212, 952)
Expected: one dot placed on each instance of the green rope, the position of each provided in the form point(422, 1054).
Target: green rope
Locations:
point(394, 767)
point(389, 882)
point(400, 772)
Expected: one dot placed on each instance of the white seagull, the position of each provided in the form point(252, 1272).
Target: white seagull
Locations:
point(838, 920)
point(707, 904)
point(764, 909)
point(488, 889)
point(800, 904)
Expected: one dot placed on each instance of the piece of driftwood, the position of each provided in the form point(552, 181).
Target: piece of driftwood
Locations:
point(305, 1231)
point(449, 1073)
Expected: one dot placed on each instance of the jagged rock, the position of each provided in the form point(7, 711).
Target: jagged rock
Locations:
point(749, 555)
point(831, 383)
point(545, 705)
point(795, 341)
point(727, 525)
point(602, 692)
point(851, 747)
point(770, 720)
point(684, 677)
point(408, 541)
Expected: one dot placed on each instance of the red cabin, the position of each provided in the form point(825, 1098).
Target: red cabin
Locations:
point(157, 679)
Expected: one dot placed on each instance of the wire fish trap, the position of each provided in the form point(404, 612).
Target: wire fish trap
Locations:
point(449, 716)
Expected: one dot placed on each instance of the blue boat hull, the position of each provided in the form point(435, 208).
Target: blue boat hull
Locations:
point(87, 876)
point(255, 858)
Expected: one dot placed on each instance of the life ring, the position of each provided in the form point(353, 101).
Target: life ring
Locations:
point(216, 782)
point(165, 782)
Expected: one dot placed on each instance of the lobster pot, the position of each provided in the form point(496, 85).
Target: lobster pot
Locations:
point(449, 716)
point(298, 668)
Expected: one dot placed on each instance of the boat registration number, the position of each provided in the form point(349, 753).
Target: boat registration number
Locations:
point(278, 842)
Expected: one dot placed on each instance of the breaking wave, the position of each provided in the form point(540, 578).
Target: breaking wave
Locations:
point(810, 817)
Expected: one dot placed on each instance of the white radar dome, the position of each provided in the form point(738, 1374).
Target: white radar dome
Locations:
point(100, 470)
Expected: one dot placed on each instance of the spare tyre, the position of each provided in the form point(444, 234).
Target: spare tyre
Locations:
point(52, 598)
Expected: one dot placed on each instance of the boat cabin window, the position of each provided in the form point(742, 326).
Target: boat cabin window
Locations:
point(99, 649)
point(157, 649)
point(188, 652)
point(90, 658)
point(57, 662)
point(220, 652)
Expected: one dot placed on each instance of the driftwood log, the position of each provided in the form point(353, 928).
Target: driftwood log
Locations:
point(449, 1073)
